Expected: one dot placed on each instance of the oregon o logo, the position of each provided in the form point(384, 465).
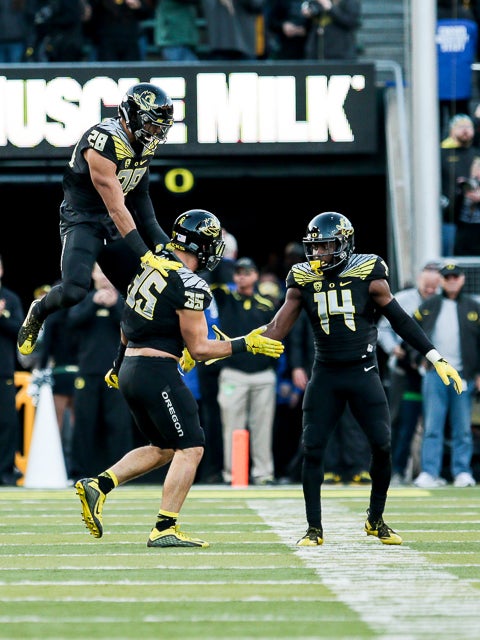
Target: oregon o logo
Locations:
point(179, 180)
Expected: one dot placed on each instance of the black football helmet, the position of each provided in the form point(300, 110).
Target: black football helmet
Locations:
point(199, 232)
point(329, 227)
point(146, 105)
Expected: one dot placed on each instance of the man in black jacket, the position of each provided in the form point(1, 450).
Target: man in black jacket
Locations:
point(453, 318)
point(11, 313)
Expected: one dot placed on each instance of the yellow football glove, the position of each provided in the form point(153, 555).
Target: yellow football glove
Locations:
point(111, 378)
point(160, 264)
point(446, 371)
point(256, 343)
point(186, 361)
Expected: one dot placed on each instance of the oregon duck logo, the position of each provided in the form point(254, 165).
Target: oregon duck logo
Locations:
point(145, 100)
point(345, 228)
point(209, 227)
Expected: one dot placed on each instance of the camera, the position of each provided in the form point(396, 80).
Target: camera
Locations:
point(469, 184)
point(313, 8)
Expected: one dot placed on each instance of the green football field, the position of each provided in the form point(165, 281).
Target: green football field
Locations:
point(58, 582)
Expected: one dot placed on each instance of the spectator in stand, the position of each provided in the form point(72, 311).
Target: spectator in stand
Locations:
point(14, 31)
point(176, 31)
point(235, 29)
point(57, 30)
point(333, 29)
point(247, 386)
point(452, 319)
point(405, 397)
point(456, 157)
point(467, 237)
point(101, 415)
point(456, 38)
point(116, 29)
point(11, 313)
point(287, 29)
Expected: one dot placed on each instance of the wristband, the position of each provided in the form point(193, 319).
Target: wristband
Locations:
point(433, 356)
point(135, 242)
point(238, 345)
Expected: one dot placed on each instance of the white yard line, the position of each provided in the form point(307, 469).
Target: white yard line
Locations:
point(393, 589)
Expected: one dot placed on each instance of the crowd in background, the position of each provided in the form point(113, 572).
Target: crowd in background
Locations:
point(178, 30)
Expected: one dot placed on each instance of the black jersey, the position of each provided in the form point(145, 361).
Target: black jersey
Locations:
point(109, 139)
point(149, 317)
point(340, 308)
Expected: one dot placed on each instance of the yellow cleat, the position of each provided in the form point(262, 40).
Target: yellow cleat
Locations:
point(313, 538)
point(382, 531)
point(28, 334)
point(173, 537)
point(92, 499)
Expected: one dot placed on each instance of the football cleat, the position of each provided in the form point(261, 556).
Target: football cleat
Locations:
point(331, 477)
point(362, 477)
point(382, 531)
point(92, 499)
point(312, 538)
point(173, 537)
point(28, 334)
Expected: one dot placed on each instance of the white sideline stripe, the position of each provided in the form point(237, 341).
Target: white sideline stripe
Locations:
point(146, 554)
point(172, 598)
point(142, 583)
point(155, 567)
point(228, 617)
point(393, 589)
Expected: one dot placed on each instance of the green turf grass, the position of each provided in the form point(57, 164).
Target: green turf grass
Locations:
point(58, 582)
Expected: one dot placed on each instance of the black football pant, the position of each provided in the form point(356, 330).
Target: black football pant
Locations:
point(327, 393)
point(82, 246)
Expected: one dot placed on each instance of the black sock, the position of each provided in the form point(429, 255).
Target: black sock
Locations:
point(105, 482)
point(165, 522)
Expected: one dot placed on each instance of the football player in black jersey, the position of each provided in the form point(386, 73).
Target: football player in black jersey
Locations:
point(107, 215)
point(162, 318)
point(343, 294)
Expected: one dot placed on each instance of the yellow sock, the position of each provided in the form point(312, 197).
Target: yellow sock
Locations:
point(110, 473)
point(166, 514)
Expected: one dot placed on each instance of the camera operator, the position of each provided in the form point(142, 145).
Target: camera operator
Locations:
point(333, 29)
point(467, 237)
